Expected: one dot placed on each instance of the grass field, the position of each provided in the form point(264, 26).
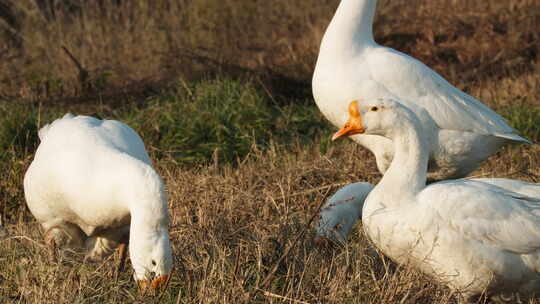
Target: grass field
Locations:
point(220, 93)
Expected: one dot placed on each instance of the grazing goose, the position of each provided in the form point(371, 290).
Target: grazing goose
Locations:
point(342, 210)
point(463, 131)
point(470, 235)
point(92, 181)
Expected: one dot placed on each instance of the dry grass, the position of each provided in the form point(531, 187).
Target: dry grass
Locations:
point(229, 228)
point(133, 44)
point(234, 222)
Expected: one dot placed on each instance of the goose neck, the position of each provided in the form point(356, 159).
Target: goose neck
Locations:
point(147, 203)
point(408, 170)
point(351, 27)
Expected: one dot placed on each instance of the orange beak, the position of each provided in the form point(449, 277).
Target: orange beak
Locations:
point(353, 125)
point(160, 281)
point(155, 284)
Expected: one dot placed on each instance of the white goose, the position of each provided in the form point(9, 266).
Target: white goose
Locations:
point(470, 235)
point(342, 210)
point(93, 181)
point(350, 66)
point(340, 213)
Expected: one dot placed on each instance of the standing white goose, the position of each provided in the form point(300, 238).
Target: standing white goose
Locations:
point(340, 213)
point(352, 66)
point(93, 181)
point(471, 235)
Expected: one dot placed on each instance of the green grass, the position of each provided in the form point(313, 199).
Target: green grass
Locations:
point(218, 121)
point(200, 121)
point(223, 118)
point(18, 129)
point(192, 123)
point(525, 119)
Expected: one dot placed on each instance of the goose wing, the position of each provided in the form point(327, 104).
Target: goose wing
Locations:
point(417, 84)
point(488, 214)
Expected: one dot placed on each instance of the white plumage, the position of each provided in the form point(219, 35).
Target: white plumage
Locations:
point(340, 213)
point(93, 181)
point(462, 131)
point(471, 235)
point(343, 210)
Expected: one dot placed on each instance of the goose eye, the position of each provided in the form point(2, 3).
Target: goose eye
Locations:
point(153, 263)
point(374, 109)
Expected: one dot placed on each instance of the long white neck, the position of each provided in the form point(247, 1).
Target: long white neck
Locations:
point(149, 221)
point(407, 174)
point(147, 203)
point(351, 27)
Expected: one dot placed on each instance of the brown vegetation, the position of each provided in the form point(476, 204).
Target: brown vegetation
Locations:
point(129, 44)
point(229, 229)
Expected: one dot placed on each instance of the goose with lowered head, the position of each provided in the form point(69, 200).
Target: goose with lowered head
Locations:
point(350, 64)
point(471, 235)
point(92, 181)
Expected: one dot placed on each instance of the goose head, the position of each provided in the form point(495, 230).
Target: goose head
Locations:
point(376, 117)
point(151, 255)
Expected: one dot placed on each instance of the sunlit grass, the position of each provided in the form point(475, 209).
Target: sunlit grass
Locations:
point(526, 119)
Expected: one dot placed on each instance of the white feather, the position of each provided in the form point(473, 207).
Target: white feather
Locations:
point(343, 210)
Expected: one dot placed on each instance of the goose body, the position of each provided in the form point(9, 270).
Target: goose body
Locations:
point(471, 235)
point(343, 210)
point(463, 132)
point(93, 181)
